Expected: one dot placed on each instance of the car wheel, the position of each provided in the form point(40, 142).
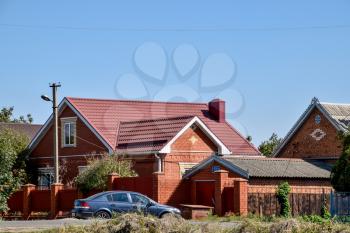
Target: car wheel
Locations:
point(102, 214)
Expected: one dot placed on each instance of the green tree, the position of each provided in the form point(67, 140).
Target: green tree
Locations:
point(6, 115)
point(340, 175)
point(96, 175)
point(12, 166)
point(282, 193)
point(269, 146)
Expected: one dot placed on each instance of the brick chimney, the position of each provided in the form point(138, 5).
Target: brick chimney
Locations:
point(217, 109)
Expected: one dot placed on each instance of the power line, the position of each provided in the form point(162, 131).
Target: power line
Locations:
point(204, 29)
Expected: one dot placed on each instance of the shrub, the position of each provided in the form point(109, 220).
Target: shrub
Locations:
point(340, 175)
point(12, 164)
point(96, 175)
point(282, 193)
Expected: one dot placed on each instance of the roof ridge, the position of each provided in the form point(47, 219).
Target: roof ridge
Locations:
point(137, 101)
point(159, 119)
point(266, 159)
point(19, 123)
point(330, 103)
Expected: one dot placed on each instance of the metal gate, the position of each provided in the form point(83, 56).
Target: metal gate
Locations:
point(340, 204)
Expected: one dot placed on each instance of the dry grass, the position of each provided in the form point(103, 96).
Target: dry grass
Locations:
point(135, 223)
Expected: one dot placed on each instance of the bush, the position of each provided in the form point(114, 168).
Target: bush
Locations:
point(12, 164)
point(340, 175)
point(282, 193)
point(96, 175)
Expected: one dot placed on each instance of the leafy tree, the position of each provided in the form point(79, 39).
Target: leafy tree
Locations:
point(340, 175)
point(96, 175)
point(12, 166)
point(282, 193)
point(268, 147)
point(6, 115)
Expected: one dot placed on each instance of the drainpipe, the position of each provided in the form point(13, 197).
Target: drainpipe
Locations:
point(159, 163)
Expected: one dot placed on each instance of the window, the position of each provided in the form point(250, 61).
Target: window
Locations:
point(138, 199)
point(81, 169)
point(184, 167)
point(120, 197)
point(45, 177)
point(68, 126)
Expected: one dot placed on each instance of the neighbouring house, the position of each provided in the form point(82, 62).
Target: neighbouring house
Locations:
point(316, 134)
point(29, 130)
point(230, 182)
point(163, 139)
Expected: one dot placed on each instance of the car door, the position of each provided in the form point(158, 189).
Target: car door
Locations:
point(140, 203)
point(120, 202)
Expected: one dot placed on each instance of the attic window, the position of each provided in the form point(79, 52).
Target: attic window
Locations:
point(68, 131)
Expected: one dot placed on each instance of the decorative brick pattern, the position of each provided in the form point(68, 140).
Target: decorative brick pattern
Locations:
point(303, 145)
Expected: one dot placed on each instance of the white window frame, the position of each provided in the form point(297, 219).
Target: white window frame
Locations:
point(184, 166)
point(81, 169)
point(68, 121)
point(45, 171)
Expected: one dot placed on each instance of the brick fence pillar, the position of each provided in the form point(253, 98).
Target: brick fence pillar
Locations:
point(241, 197)
point(112, 179)
point(55, 188)
point(221, 177)
point(158, 186)
point(27, 189)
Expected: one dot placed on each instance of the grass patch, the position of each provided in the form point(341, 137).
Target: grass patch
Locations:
point(135, 223)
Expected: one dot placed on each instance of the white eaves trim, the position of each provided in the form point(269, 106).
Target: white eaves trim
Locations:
point(222, 149)
point(48, 123)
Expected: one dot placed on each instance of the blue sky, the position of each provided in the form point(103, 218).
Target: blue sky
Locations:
point(284, 54)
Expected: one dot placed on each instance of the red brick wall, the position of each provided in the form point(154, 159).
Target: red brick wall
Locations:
point(302, 145)
point(173, 189)
point(87, 142)
point(86, 145)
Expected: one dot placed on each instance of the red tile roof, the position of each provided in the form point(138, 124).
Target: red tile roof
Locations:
point(107, 116)
point(149, 135)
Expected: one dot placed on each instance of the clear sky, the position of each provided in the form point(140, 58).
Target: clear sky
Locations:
point(267, 59)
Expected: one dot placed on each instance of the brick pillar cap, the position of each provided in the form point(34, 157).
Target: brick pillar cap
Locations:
point(29, 185)
point(114, 174)
point(57, 184)
point(241, 180)
point(221, 171)
point(158, 173)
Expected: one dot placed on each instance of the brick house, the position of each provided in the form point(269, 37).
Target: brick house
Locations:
point(227, 181)
point(163, 139)
point(316, 134)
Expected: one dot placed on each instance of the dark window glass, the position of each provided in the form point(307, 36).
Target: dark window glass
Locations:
point(120, 197)
point(138, 199)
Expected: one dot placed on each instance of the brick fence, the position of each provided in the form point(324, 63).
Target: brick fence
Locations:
point(58, 200)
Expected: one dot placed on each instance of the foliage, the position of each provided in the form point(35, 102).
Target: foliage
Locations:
point(6, 115)
point(340, 175)
point(268, 147)
point(135, 223)
point(96, 175)
point(12, 166)
point(282, 193)
point(325, 214)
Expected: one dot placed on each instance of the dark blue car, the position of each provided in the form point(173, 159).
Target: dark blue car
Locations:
point(102, 205)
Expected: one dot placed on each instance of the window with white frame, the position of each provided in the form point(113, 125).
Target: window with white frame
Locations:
point(81, 169)
point(68, 126)
point(45, 176)
point(184, 167)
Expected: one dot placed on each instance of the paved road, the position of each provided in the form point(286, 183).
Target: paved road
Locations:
point(33, 225)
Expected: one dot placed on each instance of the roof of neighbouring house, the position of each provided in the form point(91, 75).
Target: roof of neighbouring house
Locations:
point(337, 114)
point(112, 121)
point(269, 167)
point(30, 130)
